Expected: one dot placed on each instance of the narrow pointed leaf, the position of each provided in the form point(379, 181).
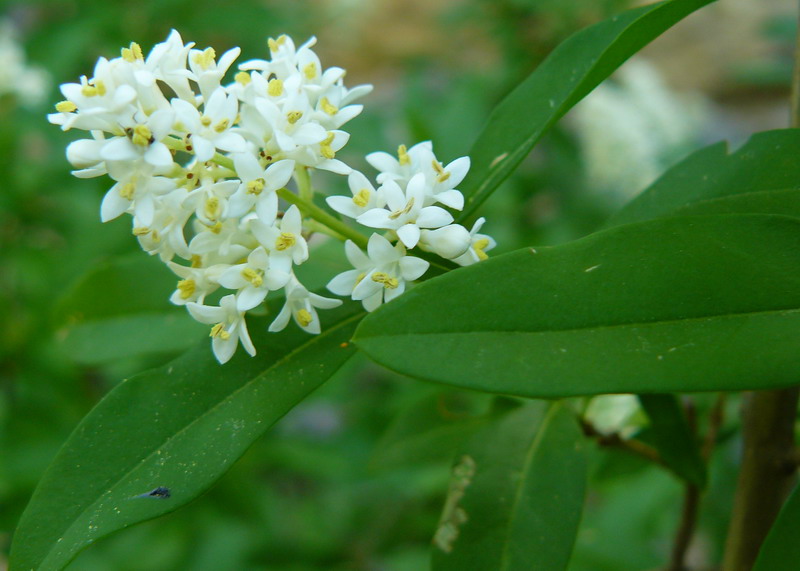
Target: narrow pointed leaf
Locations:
point(673, 437)
point(703, 303)
point(714, 180)
point(517, 494)
point(120, 309)
point(163, 437)
point(571, 71)
point(781, 550)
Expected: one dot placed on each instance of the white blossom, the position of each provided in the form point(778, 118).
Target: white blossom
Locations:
point(229, 327)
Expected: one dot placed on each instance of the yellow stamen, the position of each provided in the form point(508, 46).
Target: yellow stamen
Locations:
point(155, 236)
point(253, 277)
point(212, 208)
point(359, 277)
point(293, 116)
point(255, 186)
point(310, 70)
point(205, 120)
point(443, 175)
point(402, 155)
point(127, 191)
point(216, 228)
point(385, 279)
point(274, 87)
point(479, 247)
point(362, 198)
point(242, 78)
point(304, 317)
point(133, 53)
point(205, 58)
point(141, 231)
point(197, 261)
point(66, 107)
point(222, 125)
point(397, 213)
point(325, 148)
point(93, 88)
point(219, 331)
point(274, 45)
point(142, 135)
point(328, 107)
point(285, 241)
point(187, 288)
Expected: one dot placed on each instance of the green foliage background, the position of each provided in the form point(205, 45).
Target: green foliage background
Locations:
point(355, 477)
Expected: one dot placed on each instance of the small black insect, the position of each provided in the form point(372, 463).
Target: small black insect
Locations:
point(160, 492)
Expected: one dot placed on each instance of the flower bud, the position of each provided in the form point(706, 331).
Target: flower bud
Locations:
point(448, 242)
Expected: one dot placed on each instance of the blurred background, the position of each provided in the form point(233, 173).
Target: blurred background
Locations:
point(355, 477)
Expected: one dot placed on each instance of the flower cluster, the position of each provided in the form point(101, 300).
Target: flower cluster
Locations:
point(201, 165)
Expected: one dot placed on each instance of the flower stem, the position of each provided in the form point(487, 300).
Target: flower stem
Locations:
point(310, 209)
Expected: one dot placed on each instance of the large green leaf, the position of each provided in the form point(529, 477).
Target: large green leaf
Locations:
point(781, 550)
point(673, 437)
point(701, 303)
point(760, 176)
point(178, 427)
point(571, 71)
point(121, 309)
point(516, 497)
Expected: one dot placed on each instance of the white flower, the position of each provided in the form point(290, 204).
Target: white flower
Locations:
point(136, 192)
point(207, 72)
point(365, 197)
point(448, 242)
point(408, 162)
point(143, 140)
point(479, 244)
point(381, 274)
point(229, 327)
point(406, 213)
point(283, 240)
point(210, 130)
point(258, 186)
point(253, 279)
point(209, 200)
point(300, 305)
point(195, 283)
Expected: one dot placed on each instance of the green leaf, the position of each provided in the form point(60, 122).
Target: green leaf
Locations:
point(177, 427)
point(570, 72)
point(673, 437)
point(703, 303)
point(781, 550)
point(121, 309)
point(516, 496)
point(761, 176)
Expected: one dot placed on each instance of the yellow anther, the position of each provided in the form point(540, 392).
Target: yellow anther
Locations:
point(255, 186)
point(397, 213)
point(328, 107)
point(93, 88)
point(127, 191)
point(293, 116)
point(155, 236)
point(285, 241)
point(304, 317)
point(325, 148)
point(274, 45)
point(253, 277)
point(187, 288)
point(359, 277)
point(219, 331)
point(141, 231)
point(388, 281)
point(242, 78)
point(402, 155)
point(443, 174)
point(142, 135)
point(212, 208)
point(479, 246)
point(205, 58)
point(66, 107)
point(310, 70)
point(197, 261)
point(274, 87)
point(362, 198)
point(133, 53)
point(205, 120)
point(222, 125)
point(216, 228)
